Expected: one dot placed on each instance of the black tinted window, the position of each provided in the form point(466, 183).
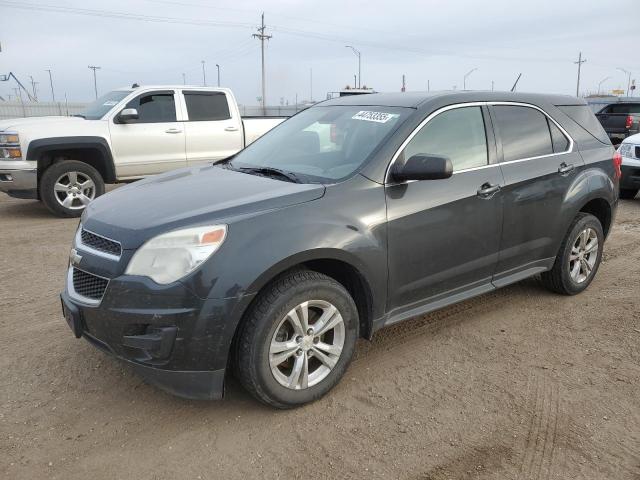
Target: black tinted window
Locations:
point(524, 132)
point(583, 116)
point(624, 108)
point(441, 136)
point(560, 142)
point(154, 107)
point(203, 106)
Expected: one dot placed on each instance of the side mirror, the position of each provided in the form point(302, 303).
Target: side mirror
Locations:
point(423, 167)
point(128, 115)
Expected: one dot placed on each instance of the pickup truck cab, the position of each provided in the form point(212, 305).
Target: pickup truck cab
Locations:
point(124, 135)
point(620, 120)
point(629, 152)
point(355, 214)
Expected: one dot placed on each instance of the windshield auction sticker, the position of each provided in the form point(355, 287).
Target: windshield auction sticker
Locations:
point(378, 117)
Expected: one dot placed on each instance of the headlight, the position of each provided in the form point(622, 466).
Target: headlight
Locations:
point(10, 153)
point(11, 138)
point(170, 256)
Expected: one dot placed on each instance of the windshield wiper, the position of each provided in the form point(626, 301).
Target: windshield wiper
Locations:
point(272, 172)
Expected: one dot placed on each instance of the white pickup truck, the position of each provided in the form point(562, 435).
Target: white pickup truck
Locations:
point(124, 135)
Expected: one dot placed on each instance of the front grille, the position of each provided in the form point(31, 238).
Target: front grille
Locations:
point(99, 243)
point(88, 285)
point(637, 152)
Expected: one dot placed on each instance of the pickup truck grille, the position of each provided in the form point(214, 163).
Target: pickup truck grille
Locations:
point(100, 243)
point(637, 152)
point(88, 285)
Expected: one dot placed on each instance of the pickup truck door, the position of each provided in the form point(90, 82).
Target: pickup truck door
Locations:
point(154, 143)
point(444, 235)
point(213, 129)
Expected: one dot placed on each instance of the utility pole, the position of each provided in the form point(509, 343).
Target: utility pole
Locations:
point(404, 84)
point(218, 67)
point(95, 82)
point(355, 81)
point(579, 63)
point(492, 83)
point(53, 95)
point(311, 85)
point(262, 37)
point(204, 75)
point(428, 85)
point(358, 54)
point(184, 79)
point(33, 88)
point(628, 78)
point(464, 80)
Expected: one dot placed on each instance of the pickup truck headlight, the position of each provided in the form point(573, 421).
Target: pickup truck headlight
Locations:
point(170, 256)
point(10, 146)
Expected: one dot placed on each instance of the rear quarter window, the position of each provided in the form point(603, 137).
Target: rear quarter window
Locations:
point(585, 118)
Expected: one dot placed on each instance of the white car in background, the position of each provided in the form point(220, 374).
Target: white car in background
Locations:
point(125, 135)
point(630, 151)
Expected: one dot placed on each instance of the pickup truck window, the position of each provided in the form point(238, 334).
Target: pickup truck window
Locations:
point(441, 137)
point(207, 106)
point(524, 132)
point(154, 107)
point(98, 109)
point(323, 144)
point(626, 108)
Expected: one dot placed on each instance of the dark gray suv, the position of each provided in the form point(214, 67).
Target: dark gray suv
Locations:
point(355, 214)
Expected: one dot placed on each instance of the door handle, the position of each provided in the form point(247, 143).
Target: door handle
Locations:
point(231, 129)
point(173, 130)
point(487, 190)
point(563, 169)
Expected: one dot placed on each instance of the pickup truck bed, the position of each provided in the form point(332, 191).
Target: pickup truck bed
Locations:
point(620, 120)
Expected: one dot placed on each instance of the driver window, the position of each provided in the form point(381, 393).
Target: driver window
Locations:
point(154, 107)
point(458, 134)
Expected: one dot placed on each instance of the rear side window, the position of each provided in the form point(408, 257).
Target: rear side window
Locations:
point(154, 107)
point(560, 142)
point(524, 132)
point(623, 108)
point(458, 134)
point(584, 117)
point(207, 106)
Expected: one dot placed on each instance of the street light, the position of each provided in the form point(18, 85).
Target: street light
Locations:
point(218, 67)
point(628, 78)
point(601, 82)
point(357, 52)
point(464, 81)
point(204, 75)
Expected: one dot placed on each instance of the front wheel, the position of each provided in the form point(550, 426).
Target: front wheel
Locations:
point(67, 187)
point(579, 257)
point(297, 340)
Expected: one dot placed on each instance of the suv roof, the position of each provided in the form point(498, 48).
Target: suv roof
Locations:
point(418, 99)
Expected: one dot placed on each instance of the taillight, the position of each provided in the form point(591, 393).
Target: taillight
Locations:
point(617, 162)
point(629, 123)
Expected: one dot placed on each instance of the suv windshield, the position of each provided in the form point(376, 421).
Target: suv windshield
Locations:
point(323, 144)
point(98, 109)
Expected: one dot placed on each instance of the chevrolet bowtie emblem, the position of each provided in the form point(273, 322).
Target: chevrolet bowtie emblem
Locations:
point(74, 257)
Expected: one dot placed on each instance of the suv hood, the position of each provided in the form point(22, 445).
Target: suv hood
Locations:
point(21, 122)
point(188, 197)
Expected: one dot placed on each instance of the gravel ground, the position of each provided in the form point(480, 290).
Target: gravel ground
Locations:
point(519, 384)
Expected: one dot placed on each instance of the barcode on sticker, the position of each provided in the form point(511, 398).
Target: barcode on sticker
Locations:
point(378, 117)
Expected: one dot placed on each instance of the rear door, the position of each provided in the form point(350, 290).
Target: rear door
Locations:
point(153, 143)
point(539, 166)
point(213, 130)
point(444, 235)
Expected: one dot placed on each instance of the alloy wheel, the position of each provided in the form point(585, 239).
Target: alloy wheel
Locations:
point(584, 254)
point(74, 190)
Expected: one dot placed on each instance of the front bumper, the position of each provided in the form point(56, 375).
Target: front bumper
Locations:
point(176, 341)
point(19, 183)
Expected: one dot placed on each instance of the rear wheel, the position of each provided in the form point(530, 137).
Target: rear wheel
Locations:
point(67, 187)
point(298, 339)
point(628, 193)
point(579, 257)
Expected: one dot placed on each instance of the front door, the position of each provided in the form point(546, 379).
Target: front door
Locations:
point(444, 235)
point(153, 143)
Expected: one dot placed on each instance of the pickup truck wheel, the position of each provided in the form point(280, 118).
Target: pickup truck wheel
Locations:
point(628, 193)
point(297, 340)
point(578, 258)
point(67, 187)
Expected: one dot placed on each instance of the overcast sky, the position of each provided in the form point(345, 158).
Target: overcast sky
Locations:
point(427, 40)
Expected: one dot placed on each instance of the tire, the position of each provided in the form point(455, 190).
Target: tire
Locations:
point(269, 320)
point(628, 193)
point(84, 183)
point(562, 278)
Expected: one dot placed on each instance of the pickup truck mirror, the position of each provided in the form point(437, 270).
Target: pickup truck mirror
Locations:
point(128, 115)
point(423, 167)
